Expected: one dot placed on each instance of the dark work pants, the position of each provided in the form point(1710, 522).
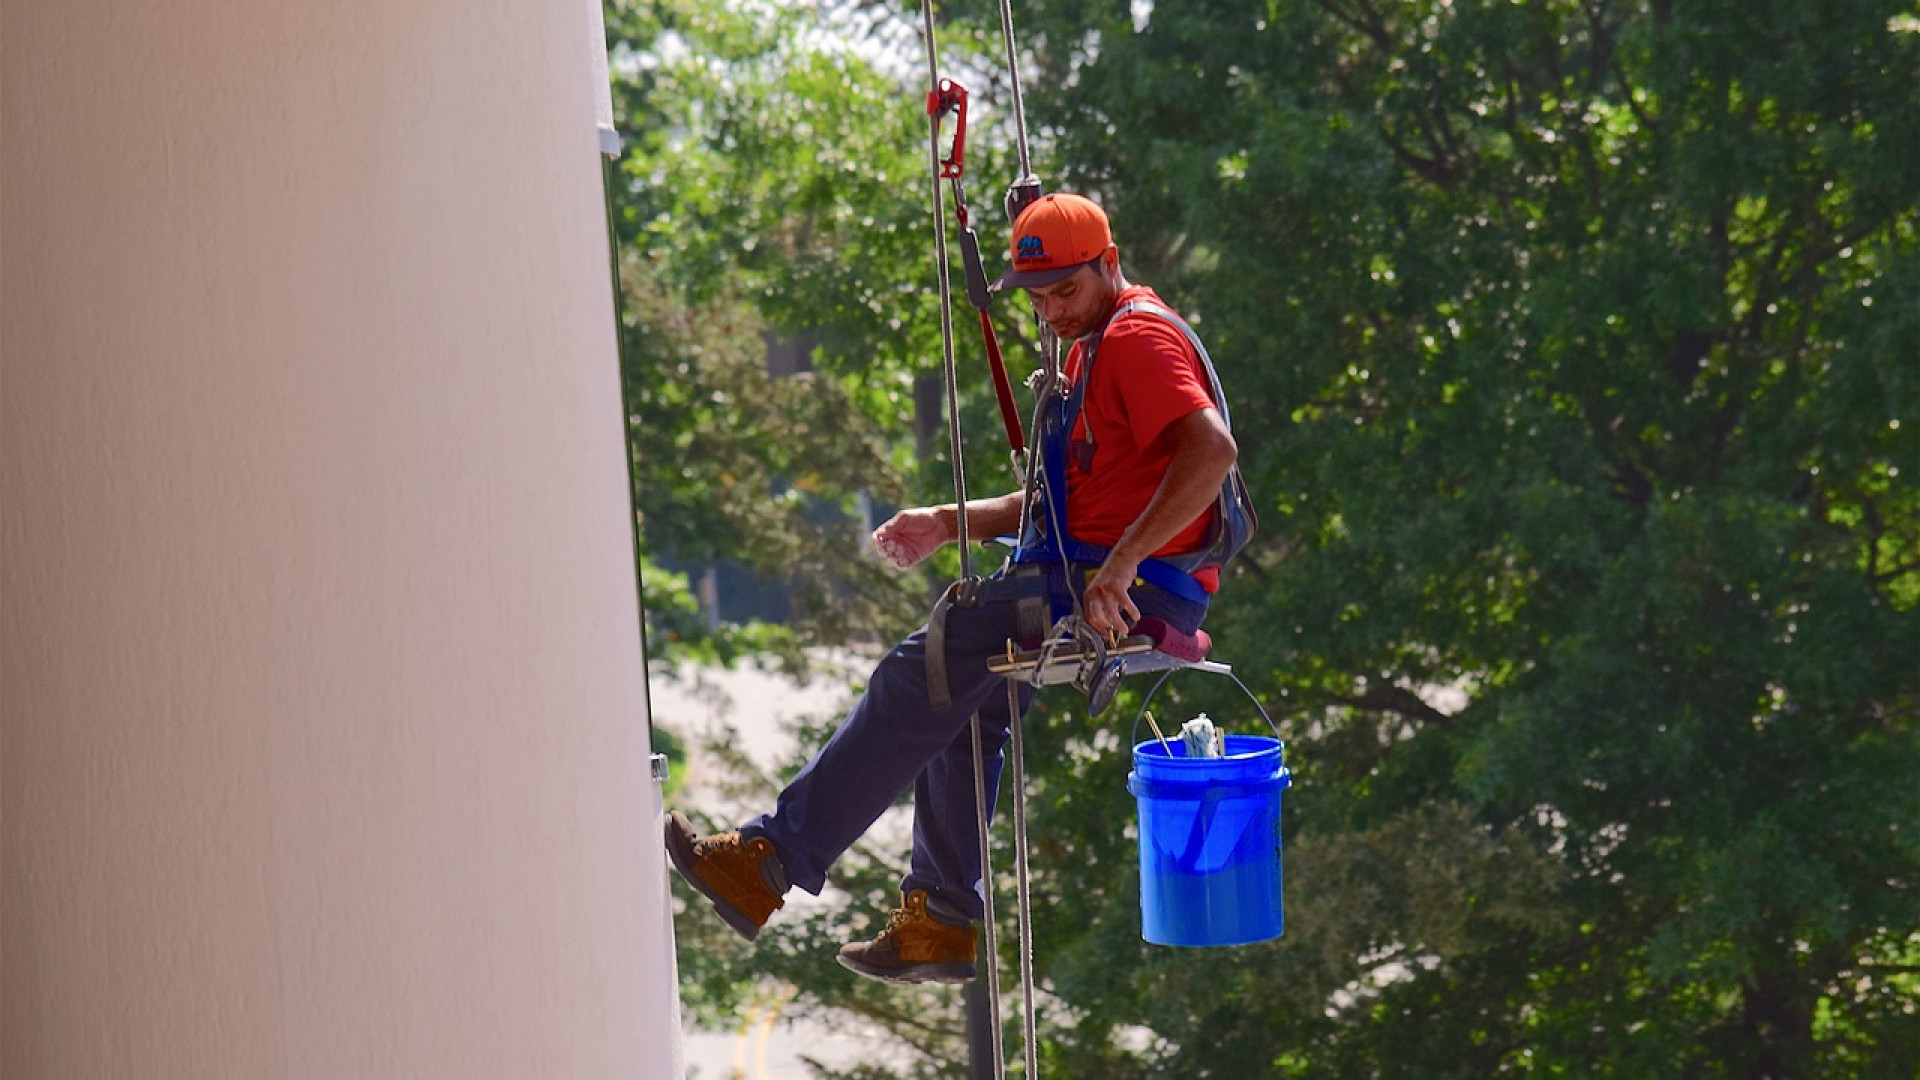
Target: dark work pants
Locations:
point(894, 738)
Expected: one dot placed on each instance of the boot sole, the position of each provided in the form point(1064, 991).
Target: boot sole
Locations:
point(680, 836)
point(949, 973)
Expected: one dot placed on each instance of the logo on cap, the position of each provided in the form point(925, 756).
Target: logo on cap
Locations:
point(1031, 248)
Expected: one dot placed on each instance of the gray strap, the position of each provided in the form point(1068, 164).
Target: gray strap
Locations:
point(965, 592)
point(1193, 339)
point(1033, 609)
point(938, 694)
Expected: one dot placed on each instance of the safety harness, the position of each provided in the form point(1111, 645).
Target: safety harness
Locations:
point(1048, 539)
point(1043, 537)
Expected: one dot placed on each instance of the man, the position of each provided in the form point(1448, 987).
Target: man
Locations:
point(1146, 452)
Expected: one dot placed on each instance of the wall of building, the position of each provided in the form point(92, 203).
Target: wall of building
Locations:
point(324, 749)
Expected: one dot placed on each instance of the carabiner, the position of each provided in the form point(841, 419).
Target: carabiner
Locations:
point(951, 97)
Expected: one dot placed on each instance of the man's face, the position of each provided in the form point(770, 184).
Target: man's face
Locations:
point(1074, 306)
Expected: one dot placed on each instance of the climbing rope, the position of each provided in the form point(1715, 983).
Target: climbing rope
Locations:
point(1024, 898)
point(946, 305)
point(945, 97)
point(938, 104)
point(1019, 106)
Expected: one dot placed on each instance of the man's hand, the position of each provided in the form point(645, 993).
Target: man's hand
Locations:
point(911, 535)
point(1106, 605)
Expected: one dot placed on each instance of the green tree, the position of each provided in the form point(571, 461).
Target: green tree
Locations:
point(774, 187)
point(1583, 340)
point(760, 198)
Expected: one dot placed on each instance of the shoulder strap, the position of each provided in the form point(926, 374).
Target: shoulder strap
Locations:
point(1234, 520)
point(1193, 339)
point(1078, 395)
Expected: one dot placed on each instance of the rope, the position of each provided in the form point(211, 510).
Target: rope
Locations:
point(1026, 187)
point(946, 304)
point(1013, 77)
point(990, 936)
point(1029, 1038)
point(981, 822)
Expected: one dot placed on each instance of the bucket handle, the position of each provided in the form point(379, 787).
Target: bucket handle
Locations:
point(1169, 673)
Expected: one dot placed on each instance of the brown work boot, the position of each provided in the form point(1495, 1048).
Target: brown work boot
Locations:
point(743, 877)
point(915, 947)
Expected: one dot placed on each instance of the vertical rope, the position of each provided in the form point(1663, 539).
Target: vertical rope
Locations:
point(946, 301)
point(1013, 76)
point(1050, 360)
point(990, 938)
point(1029, 1038)
point(1050, 368)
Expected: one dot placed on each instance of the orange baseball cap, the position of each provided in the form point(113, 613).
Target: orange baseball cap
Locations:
point(1053, 237)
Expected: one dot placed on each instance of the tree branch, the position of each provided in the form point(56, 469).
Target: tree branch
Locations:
point(1373, 30)
point(1396, 699)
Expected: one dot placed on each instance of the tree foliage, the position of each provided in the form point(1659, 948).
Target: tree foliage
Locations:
point(765, 195)
point(1573, 349)
point(1587, 334)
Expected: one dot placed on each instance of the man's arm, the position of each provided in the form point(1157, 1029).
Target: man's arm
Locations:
point(911, 535)
point(1203, 452)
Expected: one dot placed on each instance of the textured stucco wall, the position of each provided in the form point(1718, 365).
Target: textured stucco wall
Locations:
point(324, 746)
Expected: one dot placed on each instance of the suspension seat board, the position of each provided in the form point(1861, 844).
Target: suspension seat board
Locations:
point(1154, 646)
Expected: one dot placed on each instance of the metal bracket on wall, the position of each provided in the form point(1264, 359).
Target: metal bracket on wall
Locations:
point(659, 763)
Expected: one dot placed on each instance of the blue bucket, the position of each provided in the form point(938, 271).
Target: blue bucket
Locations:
point(1210, 870)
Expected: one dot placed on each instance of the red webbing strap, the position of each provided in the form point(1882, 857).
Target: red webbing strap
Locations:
point(1003, 388)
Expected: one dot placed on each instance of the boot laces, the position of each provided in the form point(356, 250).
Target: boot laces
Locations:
point(900, 918)
point(726, 843)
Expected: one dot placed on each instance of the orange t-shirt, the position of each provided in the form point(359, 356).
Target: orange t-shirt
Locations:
point(1145, 377)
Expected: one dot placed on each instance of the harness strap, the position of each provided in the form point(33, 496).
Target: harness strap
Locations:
point(1003, 388)
point(938, 694)
point(1161, 573)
